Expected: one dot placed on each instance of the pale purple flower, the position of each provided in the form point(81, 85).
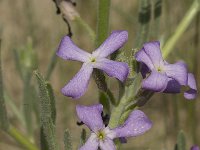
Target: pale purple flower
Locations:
point(195, 147)
point(69, 51)
point(192, 92)
point(160, 76)
point(101, 136)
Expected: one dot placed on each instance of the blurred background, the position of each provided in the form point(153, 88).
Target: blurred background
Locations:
point(34, 24)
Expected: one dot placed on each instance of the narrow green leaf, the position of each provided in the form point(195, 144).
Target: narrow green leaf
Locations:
point(35, 103)
point(17, 63)
point(27, 104)
point(43, 141)
point(67, 140)
point(46, 120)
point(83, 137)
point(3, 113)
point(52, 101)
point(181, 143)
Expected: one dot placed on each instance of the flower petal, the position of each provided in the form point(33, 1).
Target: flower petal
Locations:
point(141, 56)
point(192, 92)
point(107, 144)
point(144, 70)
point(152, 49)
point(91, 144)
point(119, 70)
point(172, 86)
point(69, 51)
point(109, 133)
point(91, 116)
point(78, 85)
point(195, 147)
point(136, 124)
point(114, 42)
point(156, 82)
point(177, 71)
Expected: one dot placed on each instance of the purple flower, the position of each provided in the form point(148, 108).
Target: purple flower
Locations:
point(192, 92)
point(195, 147)
point(69, 51)
point(160, 76)
point(101, 136)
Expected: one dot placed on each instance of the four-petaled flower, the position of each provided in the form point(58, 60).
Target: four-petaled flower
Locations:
point(101, 136)
point(195, 147)
point(160, 76)
point(69, 51)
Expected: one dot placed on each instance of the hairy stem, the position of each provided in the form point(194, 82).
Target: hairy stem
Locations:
point(103, 20)
point(117, 111)
point(102, 33)
point(144, 21)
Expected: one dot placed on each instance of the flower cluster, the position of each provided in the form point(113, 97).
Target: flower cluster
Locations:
point(158, 74)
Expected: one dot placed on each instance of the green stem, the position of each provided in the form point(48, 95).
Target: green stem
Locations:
point(117, 113)
point(118, 110)
point(127, 112)
point(168, 47)
point(21, 139)
point(144, 21)
point(122, 110)
point(144, 18)
point(103, 21)
point(157, 17)
point(102, 33)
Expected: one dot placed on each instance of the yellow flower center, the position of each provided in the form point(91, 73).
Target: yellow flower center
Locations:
point(101, 135)
point(92, 59)
point(159, 69)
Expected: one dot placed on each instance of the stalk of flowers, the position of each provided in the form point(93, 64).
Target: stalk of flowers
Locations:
point(158, 76)
point(101, 136)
